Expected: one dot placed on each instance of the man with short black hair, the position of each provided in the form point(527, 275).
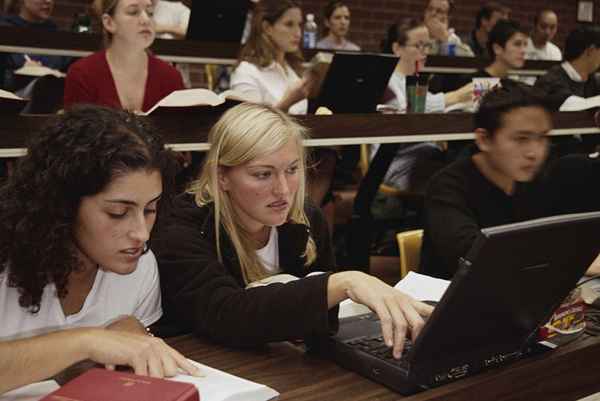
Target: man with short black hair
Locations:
point(487, 17)
point(506, 46)
point(539, 44)
point(574, 79)
point(495, 186)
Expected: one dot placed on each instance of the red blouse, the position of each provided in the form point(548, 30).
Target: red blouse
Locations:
point(90, 81)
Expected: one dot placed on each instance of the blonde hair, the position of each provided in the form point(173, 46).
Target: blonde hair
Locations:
point(244, 133)
point(259, 48)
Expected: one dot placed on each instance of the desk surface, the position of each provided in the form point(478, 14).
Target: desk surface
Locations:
point(23, 40)
point(188, 131)
point(567, 373)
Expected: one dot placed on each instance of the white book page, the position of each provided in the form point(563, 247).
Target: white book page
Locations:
point(216, 385)
point(31, 392)
point(422, 287)
point(38, 71)
point(9, 95)
point(576, 103)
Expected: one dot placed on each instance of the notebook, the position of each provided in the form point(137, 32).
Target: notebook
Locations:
point(356, 82)
point(507, 286)
point(218, 21)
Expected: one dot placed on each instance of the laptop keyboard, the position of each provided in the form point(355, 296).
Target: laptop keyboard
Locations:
point(376, 347)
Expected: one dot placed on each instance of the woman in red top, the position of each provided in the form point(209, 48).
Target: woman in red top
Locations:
point(124, 75)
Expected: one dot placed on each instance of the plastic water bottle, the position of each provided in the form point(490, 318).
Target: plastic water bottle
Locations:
point(309, 36)
point(449, 49)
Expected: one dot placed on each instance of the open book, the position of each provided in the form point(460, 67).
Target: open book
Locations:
point(576, 103)
point(216, 385)
point(318, 65)
point(11, 103)
point(32, 70)
point(198, 97)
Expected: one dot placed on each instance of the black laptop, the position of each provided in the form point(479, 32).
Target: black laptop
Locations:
point(509, 284)
point(218, 20)
point(356, 82)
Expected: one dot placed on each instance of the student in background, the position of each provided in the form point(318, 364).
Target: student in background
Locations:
point(486, 19)
point(171, 19)
point(539, 44)
point(124, 75)
point(574, 78)
point(77, 280)
point(245, 223)
point(495, 186)
point(34, 14)
point(506, 45)
point(436, 17)
point(270, 72)
point(336, 18)
point(269, 69)
point(409, 40)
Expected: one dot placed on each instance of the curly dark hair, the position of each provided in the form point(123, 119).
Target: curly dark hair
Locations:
point(77, 154)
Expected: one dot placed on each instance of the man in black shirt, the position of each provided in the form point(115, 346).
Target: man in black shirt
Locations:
point(574, 78)
point(494, 186)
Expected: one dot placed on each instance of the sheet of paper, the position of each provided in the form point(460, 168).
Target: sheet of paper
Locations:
point(216, 385)
point(422, 287)
point(31, 392)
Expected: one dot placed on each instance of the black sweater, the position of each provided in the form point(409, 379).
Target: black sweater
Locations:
point(458, 203)
point(202, 295)
point(558, 86)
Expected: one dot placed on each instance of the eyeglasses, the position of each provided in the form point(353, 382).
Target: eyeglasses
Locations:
point(424, 47)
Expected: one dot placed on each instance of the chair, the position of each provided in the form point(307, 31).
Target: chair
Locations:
point(409, 243)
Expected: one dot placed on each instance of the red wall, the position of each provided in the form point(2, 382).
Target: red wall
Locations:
point(370, 18)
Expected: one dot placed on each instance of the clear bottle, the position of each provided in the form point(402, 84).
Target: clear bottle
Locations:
point(309, 36)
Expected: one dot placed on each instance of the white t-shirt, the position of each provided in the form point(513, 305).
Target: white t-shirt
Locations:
point(434, 103)
point(549, 52)
point(266, 85)
point(269, 254)
point(171, 13)
point(328, 43)
point(112, 295)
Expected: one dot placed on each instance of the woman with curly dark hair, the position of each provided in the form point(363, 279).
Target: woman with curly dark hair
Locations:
point(77, 280)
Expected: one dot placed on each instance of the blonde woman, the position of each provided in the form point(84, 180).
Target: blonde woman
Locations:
point(124, 75)
point(246, 220)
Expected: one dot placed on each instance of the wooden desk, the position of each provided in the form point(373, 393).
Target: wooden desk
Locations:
point(565, 374)
point(23, 40)
point(189, 131)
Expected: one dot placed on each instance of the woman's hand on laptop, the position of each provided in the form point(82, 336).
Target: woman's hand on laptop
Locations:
point(397, 311)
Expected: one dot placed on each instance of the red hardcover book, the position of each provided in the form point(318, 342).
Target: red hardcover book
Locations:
point(108, 385)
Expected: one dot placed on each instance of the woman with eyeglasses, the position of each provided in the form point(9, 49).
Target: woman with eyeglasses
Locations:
point(77, 280)
point(409, 39)
point(124, 75)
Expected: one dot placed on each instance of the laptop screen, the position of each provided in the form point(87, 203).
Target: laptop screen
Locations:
point(218, 21)
point(508, 285)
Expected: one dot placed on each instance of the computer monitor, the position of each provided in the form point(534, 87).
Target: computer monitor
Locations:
point(507, 286)
point(218, 21)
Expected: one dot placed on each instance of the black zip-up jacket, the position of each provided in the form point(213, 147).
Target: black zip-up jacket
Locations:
point(209, 298)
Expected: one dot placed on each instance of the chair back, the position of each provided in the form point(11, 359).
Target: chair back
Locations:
point(409, 243)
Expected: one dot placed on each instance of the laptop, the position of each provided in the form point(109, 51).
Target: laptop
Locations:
point(507, 286)
point(218, 21)
point(356, 82)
